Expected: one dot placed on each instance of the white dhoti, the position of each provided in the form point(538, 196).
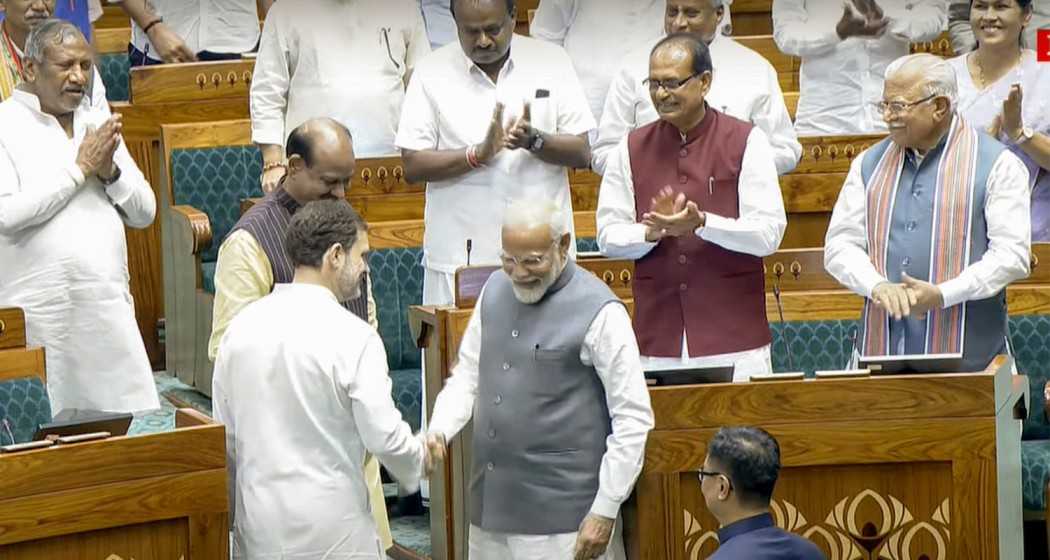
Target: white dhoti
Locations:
point(487, 545)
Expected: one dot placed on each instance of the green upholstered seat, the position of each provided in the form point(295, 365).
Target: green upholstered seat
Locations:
point(115, 69)
point(24, 405)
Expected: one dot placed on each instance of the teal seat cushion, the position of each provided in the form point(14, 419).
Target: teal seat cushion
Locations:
point(815, 345)
point(408, 395)
point(115, 69)
point(208, 277)
point(397, 284)
point(586, 245)
point(215, 181)
point(1035, 470)
point(1030, 342)
point(24, 405)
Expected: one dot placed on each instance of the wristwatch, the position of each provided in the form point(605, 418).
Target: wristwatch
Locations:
point(107, 181)
point(1026, 134)
point(536, 142)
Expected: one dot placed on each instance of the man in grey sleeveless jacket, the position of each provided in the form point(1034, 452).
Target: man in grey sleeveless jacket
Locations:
point(549, 370)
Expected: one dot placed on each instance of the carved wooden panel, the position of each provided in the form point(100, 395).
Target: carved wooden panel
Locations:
point(12, 328)
point(190, 82)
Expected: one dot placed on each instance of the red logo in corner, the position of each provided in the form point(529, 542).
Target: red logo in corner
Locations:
point(1043, 45)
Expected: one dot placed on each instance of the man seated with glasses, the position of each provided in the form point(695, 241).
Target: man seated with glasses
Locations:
point(931, 224)
point(737, 482)
point(549, 371)
point(699, 288)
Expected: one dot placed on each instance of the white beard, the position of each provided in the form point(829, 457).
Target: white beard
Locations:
point(530, 296)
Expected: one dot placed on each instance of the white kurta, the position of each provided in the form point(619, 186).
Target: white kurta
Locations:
point(744, 86)
point(758, 231)
point(65, 260)
point(302, 387)
point(597, 34)
point(1006, 211)
point(221, 26)
point(610, 346)
point(338, 59)
point(840, 80)
point(449, 106)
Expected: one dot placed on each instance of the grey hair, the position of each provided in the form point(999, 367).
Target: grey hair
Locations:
point(52, 32)
point(532, 212)
point(938, 76)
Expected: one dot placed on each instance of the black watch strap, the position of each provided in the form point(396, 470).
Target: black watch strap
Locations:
point(107, 181)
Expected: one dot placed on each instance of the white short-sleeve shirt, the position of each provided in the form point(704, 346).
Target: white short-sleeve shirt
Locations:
point(222, 26)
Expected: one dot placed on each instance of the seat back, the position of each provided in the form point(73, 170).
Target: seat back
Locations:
point(113, 64)
point(24, 403)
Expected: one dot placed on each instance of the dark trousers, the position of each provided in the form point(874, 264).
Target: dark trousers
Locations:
point(139, 58)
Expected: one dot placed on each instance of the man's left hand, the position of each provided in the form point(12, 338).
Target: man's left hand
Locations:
point(519, 134)
point(593, 538)
point(683, 222)
point(927, 296)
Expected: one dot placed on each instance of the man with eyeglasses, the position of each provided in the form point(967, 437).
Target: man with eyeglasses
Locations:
point(694, 199)
point(931, 225)
point(744, 85)
point(737, 482)
point(549, 370)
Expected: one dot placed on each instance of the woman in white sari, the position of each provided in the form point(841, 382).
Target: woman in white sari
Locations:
point(1004, 89)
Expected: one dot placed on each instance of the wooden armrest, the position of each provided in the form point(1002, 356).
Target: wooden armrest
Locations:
point(189, 417)
point(199, 226)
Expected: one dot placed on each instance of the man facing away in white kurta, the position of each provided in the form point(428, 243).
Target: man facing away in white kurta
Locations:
point(301, 384)
point(68, 186)
point(744, 86)
point(549, 371)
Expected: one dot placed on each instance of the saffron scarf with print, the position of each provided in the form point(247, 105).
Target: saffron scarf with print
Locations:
point(10, 65)
point(949, 243)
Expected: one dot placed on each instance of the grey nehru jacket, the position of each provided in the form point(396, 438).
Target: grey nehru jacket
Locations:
point(541, 420)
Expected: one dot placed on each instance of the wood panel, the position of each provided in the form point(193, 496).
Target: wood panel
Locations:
point(12, 328)
point(112, 40)
point(161, 539)
point(192, 82)
point(17, 363)
point(112, 17)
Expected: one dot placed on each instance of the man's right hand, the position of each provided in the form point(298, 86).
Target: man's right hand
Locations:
point(861, 24)
point(494, 137)
point(95, 154)
point(436, 450)
point(170, 47)
point(271, 178)
point(896, 299)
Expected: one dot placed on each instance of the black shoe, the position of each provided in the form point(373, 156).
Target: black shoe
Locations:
point(406, 506)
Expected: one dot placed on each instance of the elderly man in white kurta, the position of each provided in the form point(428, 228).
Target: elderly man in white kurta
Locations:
point(301, 384)
point(744, 86)
point(68, 186)
point(348, 61)
point(549, 371)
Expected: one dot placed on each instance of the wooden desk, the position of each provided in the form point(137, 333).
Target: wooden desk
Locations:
point(922, 413)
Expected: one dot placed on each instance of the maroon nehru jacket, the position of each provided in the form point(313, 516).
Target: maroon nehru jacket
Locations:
point(686, 283)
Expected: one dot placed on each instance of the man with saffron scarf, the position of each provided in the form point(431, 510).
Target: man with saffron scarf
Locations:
point(931, 225)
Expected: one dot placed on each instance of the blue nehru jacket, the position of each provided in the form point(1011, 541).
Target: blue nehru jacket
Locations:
point(756, 538)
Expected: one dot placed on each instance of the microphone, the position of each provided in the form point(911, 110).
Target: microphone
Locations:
point(778, 271)
point(852, 348)
point(470, 245)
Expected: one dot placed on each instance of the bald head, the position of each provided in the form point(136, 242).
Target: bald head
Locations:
point(321, 161)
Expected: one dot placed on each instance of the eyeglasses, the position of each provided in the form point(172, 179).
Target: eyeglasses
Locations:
point(668, 85)
point(530, 262)
point(896, 107)
point(702, 474)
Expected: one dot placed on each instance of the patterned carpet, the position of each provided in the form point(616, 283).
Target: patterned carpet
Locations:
point(412, 533)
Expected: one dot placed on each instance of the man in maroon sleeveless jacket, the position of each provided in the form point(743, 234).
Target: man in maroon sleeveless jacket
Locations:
point(694, 198)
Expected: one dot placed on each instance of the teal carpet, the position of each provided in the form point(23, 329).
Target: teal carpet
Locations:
point(412, 533)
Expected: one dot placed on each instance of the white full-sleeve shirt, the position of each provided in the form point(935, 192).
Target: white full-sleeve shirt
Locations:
point(598, 34)
point(303, 389)
point(744, 86)
point(841, 80)
point(220, 26)
point(449, 106)
point(64, 258)
point(344, 60)
point(1006, 212)
point(757, 231)
point(611, 348)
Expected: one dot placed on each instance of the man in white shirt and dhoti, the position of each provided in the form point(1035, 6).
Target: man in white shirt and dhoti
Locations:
point(931, 225)
point(68, 186)
point(349, 61)
point(694, 199)
point(549, 371)
point(302, 387)
point(744, 85)
point(845, 49)
point(172, 31)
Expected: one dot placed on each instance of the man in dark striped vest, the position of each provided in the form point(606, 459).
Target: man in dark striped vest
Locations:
point(931, 225)
point(252, 258)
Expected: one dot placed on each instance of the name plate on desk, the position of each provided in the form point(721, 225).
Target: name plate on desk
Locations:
point(787, 376)
point(912, 364)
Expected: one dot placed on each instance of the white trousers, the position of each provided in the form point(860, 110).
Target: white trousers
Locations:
point(486, 545)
